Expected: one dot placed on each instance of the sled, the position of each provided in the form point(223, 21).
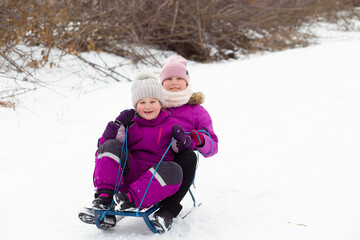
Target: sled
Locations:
point(144, 214)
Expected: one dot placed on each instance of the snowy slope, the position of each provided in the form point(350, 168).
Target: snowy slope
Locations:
point(287, 168)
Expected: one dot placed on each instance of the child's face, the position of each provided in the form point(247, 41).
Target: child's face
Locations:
point(174, 84)
point(148, 108)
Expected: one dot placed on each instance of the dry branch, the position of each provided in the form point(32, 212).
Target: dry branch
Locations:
point(201, 30)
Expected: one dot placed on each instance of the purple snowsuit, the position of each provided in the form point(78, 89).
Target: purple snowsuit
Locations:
point(147, 142)
point(195, 117)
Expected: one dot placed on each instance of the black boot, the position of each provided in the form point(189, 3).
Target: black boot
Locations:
point(124, 202)
point(162, 220)
point(102, 201)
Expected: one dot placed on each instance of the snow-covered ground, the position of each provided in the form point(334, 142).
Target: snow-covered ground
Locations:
point(288, 165)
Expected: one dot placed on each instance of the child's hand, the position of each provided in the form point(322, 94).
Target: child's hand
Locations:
point(198, 138)
point(183, 141)
point(120, 136)
point(125, 118)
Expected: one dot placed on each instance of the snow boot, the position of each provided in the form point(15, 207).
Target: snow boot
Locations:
point(162, 220)
point(124, 202)
point(102, 201)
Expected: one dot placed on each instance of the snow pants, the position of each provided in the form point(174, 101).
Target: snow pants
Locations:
point(187, 160)
point(165, 182)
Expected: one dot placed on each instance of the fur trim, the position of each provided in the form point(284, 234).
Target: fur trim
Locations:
point(197, 98)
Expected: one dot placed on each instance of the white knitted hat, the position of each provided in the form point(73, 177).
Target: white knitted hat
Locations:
point(146, 84)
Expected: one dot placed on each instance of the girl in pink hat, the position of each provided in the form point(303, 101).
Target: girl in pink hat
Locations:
point(184, 107)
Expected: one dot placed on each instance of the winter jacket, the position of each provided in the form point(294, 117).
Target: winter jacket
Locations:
point(147, 140)
point(193, 116)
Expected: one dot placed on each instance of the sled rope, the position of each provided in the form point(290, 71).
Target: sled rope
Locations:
point(118, 181)
point(211, 141)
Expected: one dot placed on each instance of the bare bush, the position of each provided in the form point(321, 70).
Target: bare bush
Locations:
point(200, 30)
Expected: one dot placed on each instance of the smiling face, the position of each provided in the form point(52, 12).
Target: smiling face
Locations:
point(148, 108)
point(174, 84)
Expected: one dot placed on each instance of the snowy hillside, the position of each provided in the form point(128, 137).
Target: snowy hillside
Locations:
point(288, 165)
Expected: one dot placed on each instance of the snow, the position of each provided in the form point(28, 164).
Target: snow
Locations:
point(287, 167)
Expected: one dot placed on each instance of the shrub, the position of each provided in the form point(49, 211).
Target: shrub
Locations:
point(200, 30)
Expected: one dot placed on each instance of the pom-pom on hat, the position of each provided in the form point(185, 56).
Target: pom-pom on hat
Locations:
point(174, 66)
point(146, 84)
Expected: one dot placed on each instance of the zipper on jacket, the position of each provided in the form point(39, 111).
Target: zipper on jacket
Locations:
point(159, 137)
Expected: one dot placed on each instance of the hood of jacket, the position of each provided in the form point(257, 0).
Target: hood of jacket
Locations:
point(196, 98)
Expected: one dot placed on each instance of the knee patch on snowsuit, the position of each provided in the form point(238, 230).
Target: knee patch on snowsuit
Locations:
point(168, 173)
point(112, 148)
point(166, 181)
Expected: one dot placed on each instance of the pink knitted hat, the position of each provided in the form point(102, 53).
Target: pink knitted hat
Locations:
point(174, 66)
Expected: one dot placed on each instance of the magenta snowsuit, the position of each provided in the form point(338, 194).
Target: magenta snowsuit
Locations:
point(147, 141)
